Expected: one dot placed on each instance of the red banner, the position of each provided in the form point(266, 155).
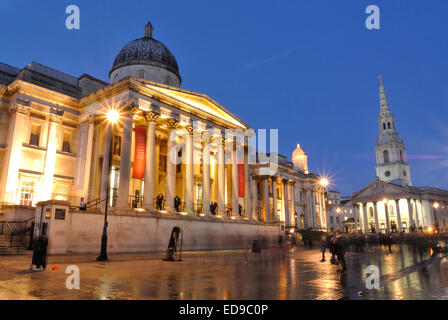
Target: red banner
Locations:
point(138, 171)
point(241, 179)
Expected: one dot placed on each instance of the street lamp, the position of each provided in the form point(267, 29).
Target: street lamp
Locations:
point(112, 117)
point(324, 182)
point(338, 211)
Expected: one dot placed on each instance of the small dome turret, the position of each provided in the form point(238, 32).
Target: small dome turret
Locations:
point(300, 159)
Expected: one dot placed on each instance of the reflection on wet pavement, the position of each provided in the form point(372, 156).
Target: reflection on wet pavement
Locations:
point(283, 274)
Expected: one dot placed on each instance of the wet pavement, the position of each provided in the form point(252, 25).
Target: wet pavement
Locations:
point(279, 274)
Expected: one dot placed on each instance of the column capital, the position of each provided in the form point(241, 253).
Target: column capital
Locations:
point(55, 118)
point(189, 129)
point(206, 137)
point(151, 116)
point(130, 107)
point(21, 106)
point(219, 140)
point(172, 123)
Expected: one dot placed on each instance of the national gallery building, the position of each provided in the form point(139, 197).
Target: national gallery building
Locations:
point(155, 154)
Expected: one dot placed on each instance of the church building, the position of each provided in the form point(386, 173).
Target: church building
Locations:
point(392, 203)
point(156, 155)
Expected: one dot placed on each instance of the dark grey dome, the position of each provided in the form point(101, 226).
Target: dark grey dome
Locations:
point(146, 50)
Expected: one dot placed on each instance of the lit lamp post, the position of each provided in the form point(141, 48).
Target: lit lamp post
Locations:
point(112, 117)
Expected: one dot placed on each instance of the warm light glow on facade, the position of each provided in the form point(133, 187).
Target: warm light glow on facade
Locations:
point(112, 115)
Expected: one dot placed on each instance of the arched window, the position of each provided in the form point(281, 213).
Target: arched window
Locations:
point(141, 74)
point(388, 125)
point(401, 155)
point(168, 81)
point(384, 126)
point(386, 156)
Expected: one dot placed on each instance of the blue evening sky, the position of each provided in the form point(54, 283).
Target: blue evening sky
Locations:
point(308, 68)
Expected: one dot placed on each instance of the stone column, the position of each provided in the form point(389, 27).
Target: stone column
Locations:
point(235, 191)
point(220, 142)
point(377, 221)
point(386, 210)
point(50, 157)
point(16, 137)
point(292, 208)
point(125, 162)
point(254, 195)
point(399, 224)
point(266, 199)
point(410, 213)
point(355, 211)
point(105, 172)
point(417, 221)
point(247, 186)
point(364, 214)
point(309, 207)
point(88, 162)
point(275, 199)
point(170, 165)
point(148, 196)
point(206, 173)
point(285, 203)
point(189, 182)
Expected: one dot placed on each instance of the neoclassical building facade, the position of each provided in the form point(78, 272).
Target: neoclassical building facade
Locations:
point(392, 203)
point(58, 141)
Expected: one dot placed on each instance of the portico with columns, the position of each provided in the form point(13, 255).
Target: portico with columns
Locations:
point(387, 208)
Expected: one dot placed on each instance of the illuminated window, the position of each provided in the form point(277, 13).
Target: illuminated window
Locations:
point(26, 192)
point(61, 192)
point(66, 142)
point(35, 134)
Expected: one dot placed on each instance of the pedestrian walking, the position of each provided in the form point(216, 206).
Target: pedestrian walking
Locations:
point(323, 247)
point(340, 254)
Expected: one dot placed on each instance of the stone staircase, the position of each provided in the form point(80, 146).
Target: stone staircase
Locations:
point(19, 244)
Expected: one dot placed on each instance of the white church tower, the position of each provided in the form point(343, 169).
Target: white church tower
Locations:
point(391, 163)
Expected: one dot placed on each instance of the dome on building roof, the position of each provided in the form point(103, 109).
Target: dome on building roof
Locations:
point(146, 51)
point(300, 159)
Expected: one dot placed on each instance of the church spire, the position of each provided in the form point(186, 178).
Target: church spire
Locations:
point(148, 30)
point(383, 99)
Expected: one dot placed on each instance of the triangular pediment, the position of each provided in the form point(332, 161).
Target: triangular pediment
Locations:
point(195, 102)
point(378, 190)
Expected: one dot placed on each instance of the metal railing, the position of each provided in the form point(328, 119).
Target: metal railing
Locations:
point(27, 225)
